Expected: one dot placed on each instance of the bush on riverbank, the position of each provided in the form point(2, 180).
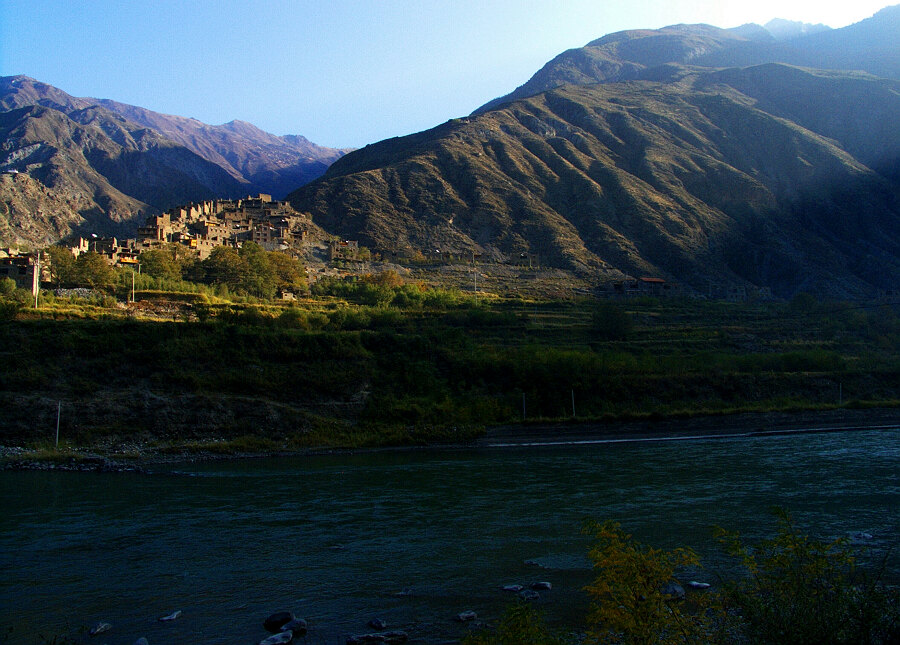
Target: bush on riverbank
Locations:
point(791, 589)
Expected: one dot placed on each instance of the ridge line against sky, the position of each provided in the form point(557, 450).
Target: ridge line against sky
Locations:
point(341, 73)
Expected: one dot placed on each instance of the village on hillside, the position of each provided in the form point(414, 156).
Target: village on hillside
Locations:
point(199, 228)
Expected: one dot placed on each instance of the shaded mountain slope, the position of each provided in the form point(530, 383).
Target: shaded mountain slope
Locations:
point(262, 161)
point(872, 45)
point(92, 171)
point(101, 166)
point(704, 178)
point(268, 163)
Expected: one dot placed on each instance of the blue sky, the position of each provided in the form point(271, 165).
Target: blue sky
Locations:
point(341, 73)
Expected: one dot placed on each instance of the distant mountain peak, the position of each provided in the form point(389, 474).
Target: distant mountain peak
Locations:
point(783, 29)
point(753, 31)
point(868, 45)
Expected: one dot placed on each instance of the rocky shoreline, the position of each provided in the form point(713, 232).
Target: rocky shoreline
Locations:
point(81, 464)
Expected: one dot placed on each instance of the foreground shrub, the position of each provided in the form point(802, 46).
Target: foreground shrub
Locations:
point(520, 624)
point(800, 590)
point(790, 589)
point(9, 309)
point(632, 598)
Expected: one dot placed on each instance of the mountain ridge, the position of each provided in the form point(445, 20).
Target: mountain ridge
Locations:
point(868, 45)
point(99, 166)
point(266, 162)
point(263, 161)
point(699, 177)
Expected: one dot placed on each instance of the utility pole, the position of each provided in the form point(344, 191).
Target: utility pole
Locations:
point(132, 285)
point(573, 404)
point(36, 285)
point(58, 411)
point(523, 406)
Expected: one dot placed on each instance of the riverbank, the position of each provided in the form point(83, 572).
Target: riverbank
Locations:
point(136, 457)
point(700, 427)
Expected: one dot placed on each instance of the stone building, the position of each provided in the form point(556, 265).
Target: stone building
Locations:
point(274, 225)
point(25, 270)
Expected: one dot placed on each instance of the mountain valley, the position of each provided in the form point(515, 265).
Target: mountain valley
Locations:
point(710, 158)
point(103, 167)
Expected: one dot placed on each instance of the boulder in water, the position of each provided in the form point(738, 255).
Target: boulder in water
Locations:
point(529, 595)
point(673, 590)
point(172, 616)
point(512, 588)
point(297, 627)
point(693, 584)
point(377, 623)
point(141, 641)
point(277, 639)
point(276, 621)
point(465, 616)
point(99, 628)
point(542, 586)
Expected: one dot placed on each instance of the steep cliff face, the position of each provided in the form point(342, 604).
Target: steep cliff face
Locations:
point(772, 176)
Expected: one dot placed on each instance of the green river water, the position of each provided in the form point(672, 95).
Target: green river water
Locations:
point(412, 537)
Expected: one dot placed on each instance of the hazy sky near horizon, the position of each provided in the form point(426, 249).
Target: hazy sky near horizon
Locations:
point(341, 73)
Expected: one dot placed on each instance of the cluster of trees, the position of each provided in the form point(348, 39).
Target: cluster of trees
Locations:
point(87, 270)
point(250, 270)
point(790, 589)
point(11, 299)
point(387, 288)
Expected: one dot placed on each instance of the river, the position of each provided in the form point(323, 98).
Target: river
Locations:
point(412, 537)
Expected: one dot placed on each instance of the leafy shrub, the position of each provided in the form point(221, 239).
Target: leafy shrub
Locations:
point(804, 591)
point(630, 603)
point(611, 322)
point(521, 623)
point(9, 309)
point(7, 287)
point(793, 590)
point(294, 317)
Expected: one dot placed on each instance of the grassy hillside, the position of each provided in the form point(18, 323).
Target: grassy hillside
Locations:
point(416, 369)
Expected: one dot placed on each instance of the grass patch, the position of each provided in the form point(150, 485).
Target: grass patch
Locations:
point(330, 373)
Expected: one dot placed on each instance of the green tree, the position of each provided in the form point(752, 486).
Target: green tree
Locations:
point(160, 263)
point(92, 270)
point(259, 278)
point(7, 288)
point(62, 266)
point(224, 266)
point(289, 273)
point(802, 591)
point(9, 304)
